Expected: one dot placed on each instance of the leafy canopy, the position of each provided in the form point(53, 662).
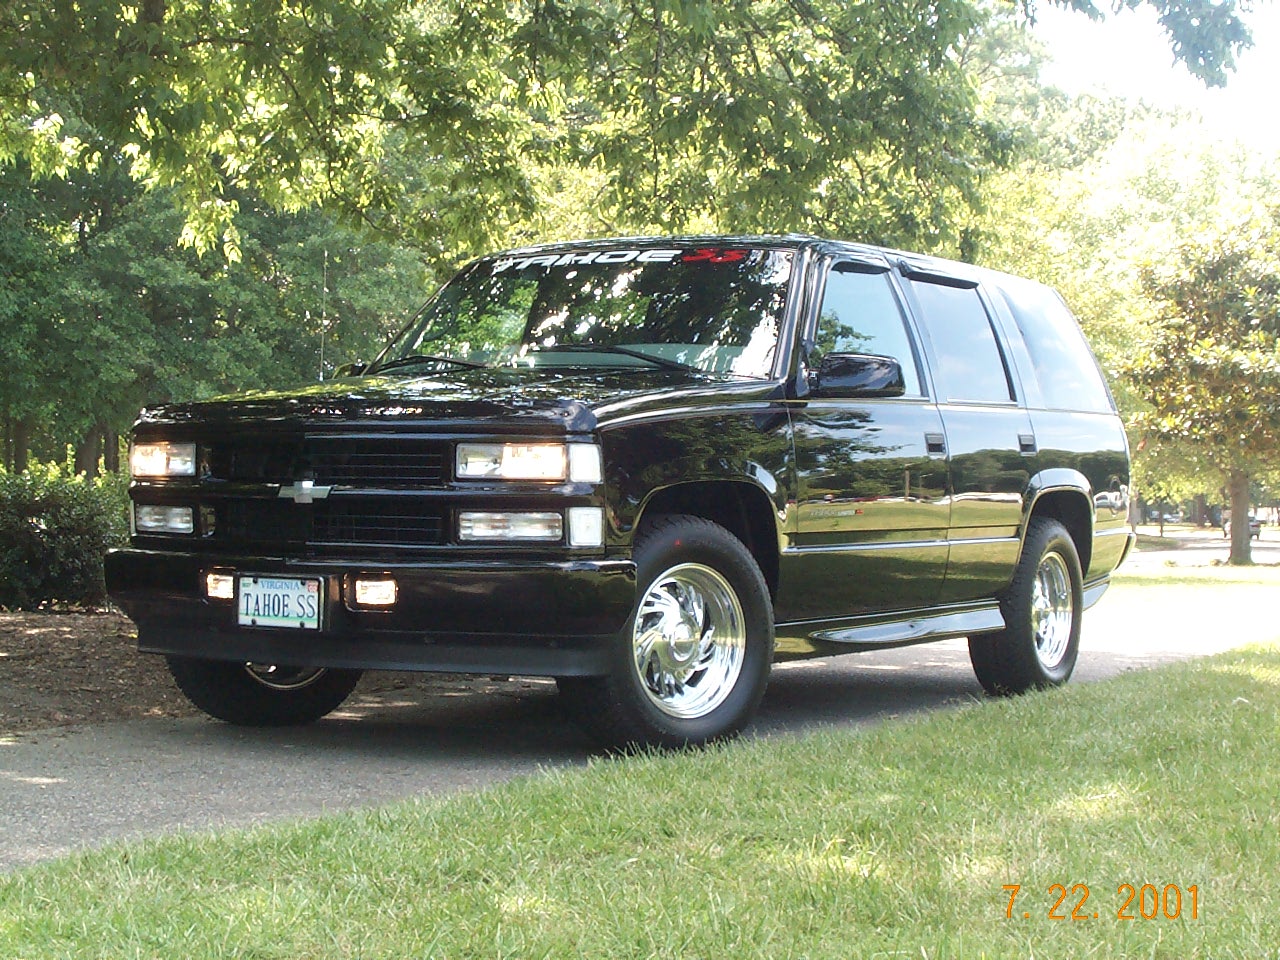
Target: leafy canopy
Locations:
point(1211, 372)
point(442, 120)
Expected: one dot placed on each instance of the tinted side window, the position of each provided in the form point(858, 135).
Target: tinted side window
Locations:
point(971, 366)
point(860, 314)
point(1068, 375)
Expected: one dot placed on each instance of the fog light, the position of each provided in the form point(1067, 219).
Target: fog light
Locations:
point(220, 586)
point(474, 525)
point(376, 592)
point(148, 518)
point(586, 527)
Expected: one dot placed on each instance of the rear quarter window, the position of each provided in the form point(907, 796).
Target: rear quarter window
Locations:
point(1063, 364)
point(971, 367)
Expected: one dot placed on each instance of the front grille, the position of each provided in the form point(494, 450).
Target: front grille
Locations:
point(375, 462)
point(397, 521)
point(384, 462)
point(337, 521)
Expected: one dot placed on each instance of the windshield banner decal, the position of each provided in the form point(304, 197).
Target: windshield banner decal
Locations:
point(700, 255)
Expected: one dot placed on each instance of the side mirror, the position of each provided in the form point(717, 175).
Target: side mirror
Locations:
point(353, 369)
point(858, 375)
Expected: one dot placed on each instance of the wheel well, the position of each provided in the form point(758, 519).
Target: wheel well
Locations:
point(1071, 509)
point(742, 509)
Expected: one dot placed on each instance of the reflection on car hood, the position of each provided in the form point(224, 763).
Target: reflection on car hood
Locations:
point(561, 400)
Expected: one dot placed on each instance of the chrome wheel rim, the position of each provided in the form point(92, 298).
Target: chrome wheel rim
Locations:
point(1052, 610)
point(688, 641)
point(279, 677)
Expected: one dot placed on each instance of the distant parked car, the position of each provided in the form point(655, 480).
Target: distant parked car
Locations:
point(1255, 528)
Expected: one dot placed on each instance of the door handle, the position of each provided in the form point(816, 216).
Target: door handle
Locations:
point(1026, 443)
point(935, 444)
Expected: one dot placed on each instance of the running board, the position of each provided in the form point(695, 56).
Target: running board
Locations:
point(942, 626)
point(1093, 591)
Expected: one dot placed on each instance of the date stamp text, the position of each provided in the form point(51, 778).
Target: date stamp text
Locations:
point(1133, 901)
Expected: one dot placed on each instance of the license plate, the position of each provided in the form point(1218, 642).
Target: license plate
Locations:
point(287, 602)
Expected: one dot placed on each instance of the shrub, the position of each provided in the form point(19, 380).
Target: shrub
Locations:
point(55, 529)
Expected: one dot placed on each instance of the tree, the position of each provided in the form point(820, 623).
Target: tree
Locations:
point(1210, 374)
point(423, 117)
point(102, 311)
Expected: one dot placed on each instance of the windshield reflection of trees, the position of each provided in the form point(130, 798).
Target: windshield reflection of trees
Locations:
point(697, 303)
point(736, 305)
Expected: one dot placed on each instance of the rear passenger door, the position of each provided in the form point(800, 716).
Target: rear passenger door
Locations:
point(872, 510)
point(990, 441)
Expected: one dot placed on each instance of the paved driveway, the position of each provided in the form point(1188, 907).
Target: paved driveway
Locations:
point(70, 788)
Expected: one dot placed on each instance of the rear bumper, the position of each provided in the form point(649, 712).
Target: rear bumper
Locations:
point(519, 618)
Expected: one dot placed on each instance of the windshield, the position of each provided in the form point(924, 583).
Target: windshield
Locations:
point(712, 310)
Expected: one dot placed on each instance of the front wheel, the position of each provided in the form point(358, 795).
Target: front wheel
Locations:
point(692, 663)
point(262, 695)
point(1042, 610)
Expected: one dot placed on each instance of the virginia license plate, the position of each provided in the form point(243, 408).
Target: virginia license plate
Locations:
point(289, 602)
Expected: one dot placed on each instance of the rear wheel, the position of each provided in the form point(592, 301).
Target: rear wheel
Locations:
point(1042, 610)
point(262, 695)
point(692, 663)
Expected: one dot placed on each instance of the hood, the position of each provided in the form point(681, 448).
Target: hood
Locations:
point(525, 400)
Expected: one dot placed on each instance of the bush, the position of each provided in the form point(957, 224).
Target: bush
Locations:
point(55, 529)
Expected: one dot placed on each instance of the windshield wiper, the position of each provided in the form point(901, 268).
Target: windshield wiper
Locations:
point(662, 362)
point(417, 358)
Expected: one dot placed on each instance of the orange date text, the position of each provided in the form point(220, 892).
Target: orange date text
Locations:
point(1133, 901)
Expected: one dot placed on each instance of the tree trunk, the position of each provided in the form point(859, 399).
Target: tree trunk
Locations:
point(111, 452)
point(1241, 544)
point(21, 444)
point(88, 452)
point(1201, 510)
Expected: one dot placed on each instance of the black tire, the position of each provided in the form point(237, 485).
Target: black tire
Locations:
point(253, 695)
point(1042, 610)
point(666, 687)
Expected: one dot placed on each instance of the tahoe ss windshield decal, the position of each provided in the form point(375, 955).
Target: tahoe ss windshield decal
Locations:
point(700, 255)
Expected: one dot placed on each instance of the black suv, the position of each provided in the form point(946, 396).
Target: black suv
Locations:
point(647, 468)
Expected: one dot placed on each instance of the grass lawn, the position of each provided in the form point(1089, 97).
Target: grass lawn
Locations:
point(903, 840)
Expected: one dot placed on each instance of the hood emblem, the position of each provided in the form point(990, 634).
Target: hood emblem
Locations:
point(304, 491)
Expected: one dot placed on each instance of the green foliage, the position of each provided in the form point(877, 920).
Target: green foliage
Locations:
point(846, 118)
point(55, 529)
point(1211, 372)
point(441, 121)
point(101, 318)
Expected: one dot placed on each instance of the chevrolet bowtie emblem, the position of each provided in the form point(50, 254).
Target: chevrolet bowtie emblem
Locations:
point(304, 491)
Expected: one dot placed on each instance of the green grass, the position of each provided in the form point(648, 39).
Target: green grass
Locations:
point(893, 841)
point(1203, 578)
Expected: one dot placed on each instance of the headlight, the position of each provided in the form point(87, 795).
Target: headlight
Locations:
point(579, 462)
point(163, 460)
